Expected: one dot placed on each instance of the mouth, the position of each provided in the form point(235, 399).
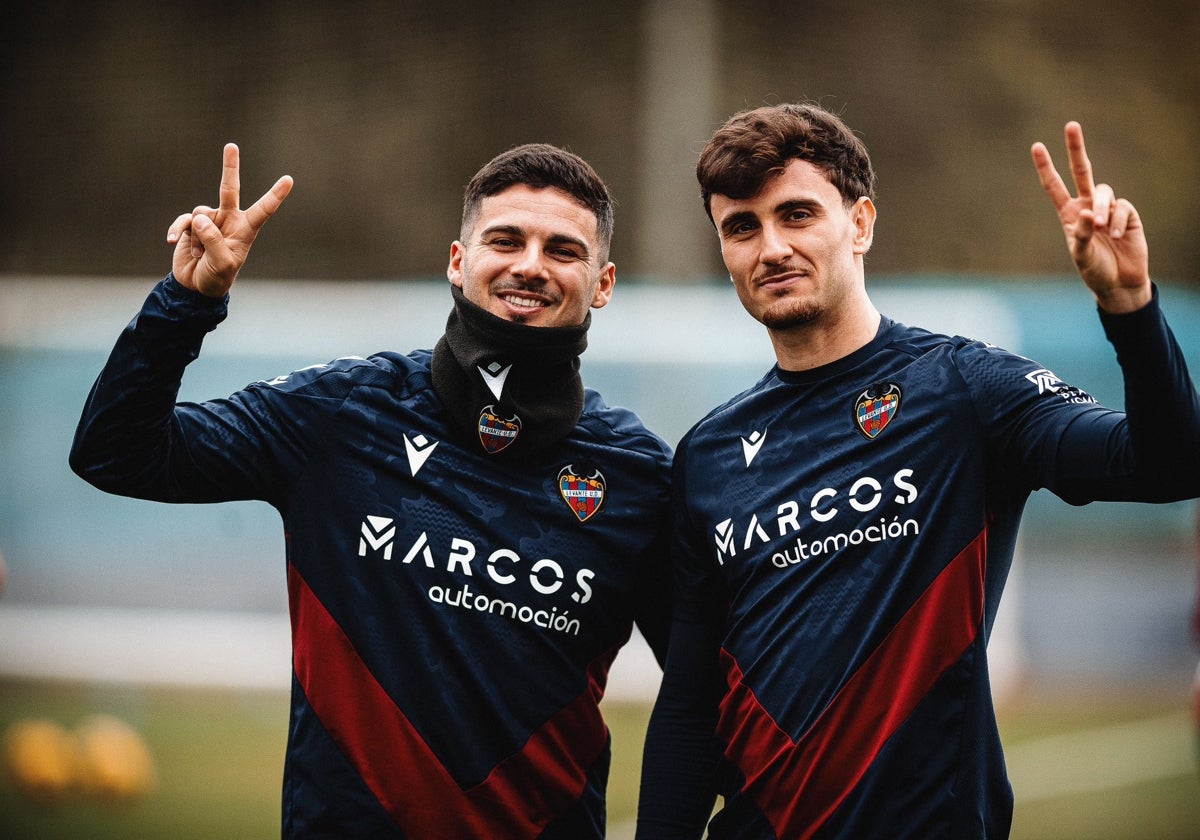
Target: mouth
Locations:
point(522, 298)
point(521, 301)
point(781, 280)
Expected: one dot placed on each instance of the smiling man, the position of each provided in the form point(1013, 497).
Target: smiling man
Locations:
point(843, 529)
point(537, 258)
point(471, 533)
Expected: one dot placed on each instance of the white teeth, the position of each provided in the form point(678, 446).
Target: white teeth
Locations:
point(520, 301)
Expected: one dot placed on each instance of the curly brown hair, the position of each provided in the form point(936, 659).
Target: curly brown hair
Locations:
point(756, 144)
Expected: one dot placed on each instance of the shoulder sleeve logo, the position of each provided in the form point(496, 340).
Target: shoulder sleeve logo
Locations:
point(875, 408)
point(582, 490)
point(1048, 383)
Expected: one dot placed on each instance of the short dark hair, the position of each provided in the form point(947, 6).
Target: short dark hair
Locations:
point(541, 166)
point(756, 144)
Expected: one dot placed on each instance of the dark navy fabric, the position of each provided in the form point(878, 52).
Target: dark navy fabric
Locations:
point(453, 617)
point(844, 574)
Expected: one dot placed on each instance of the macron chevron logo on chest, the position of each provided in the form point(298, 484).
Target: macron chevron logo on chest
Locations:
point(419, 449)
point(752, 444)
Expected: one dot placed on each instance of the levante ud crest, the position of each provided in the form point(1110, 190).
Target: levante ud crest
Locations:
point(495, 432)
point(875, 408)
point(582, 490)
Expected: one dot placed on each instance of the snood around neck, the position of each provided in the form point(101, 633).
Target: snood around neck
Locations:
point(509, 388)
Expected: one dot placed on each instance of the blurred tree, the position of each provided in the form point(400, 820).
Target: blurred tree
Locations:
point(112, 118)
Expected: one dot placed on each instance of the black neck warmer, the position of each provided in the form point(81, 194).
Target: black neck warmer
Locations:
point(509, 388)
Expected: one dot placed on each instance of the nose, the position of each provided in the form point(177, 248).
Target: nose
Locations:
point(529, 262)
point(775, 247)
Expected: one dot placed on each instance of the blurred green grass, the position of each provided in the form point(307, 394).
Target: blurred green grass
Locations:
point(219, 758)
point(220, 765)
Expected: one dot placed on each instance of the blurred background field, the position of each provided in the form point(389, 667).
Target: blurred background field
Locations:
point(220, 754)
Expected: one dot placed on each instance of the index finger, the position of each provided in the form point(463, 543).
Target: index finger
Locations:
point(1052, 182)
point(263, 209)
point(231, 183)
point(1081, 167)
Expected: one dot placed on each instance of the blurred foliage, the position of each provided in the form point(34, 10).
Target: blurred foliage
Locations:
point(112, 118)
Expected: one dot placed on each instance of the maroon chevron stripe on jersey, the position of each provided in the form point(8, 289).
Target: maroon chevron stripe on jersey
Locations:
point(869, 708)
point(404, 774)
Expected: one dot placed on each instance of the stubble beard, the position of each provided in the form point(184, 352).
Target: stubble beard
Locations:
point(789, 313)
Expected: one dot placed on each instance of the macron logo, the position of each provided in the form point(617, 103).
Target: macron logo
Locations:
point(377, 532)
point(751, 445)
point(494, 377)
point(419, 449)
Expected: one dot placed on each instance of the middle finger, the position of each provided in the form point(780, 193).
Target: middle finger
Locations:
point(1081, 167)
point(231, 184)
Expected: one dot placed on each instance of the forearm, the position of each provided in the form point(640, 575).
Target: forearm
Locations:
point(124, 438)
point(681, 755)
point(1161, 404)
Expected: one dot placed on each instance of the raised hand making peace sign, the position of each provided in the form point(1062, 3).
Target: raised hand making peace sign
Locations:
point(1104, 233)
point(211, 245)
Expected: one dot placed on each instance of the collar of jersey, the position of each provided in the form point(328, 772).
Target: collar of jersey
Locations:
point(848, 362)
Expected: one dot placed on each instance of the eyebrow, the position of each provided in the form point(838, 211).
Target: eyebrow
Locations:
point(732, 221)
point(785, 207)
point(781, 209)
point(552, 239)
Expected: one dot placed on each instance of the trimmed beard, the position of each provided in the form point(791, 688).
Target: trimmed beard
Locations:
point(787, 314)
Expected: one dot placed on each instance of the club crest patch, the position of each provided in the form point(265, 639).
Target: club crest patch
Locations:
point(582, 490)
point(875, 408)
point(495, 432)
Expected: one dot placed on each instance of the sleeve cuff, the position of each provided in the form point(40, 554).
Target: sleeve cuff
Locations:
point(1119, 327)
point(192, 302)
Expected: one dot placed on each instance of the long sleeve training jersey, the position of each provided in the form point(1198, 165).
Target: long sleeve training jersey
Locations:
point(842, 538)
point(453, 615)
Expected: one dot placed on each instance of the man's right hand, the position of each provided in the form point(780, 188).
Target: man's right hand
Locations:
point(211, 245)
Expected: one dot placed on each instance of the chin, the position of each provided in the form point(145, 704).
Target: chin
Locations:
point(537, 318)
point(792, 313)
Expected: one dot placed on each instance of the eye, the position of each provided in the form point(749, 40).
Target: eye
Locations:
point(740, 228)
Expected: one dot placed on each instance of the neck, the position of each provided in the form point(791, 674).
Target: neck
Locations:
point(827, 338)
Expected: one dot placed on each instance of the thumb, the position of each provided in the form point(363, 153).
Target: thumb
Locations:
point(216, 248)
point(217, 265)
point(206, 230)
point(1085, 229)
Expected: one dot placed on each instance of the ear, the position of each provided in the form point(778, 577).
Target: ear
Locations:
point(604, 288)
point(862, 216)
point(454, 270)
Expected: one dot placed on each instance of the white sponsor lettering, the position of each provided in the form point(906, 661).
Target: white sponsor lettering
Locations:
point(377, 532)
point(865, 494)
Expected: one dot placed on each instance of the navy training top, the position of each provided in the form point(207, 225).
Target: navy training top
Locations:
point(842, 537)
point(453, 615)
